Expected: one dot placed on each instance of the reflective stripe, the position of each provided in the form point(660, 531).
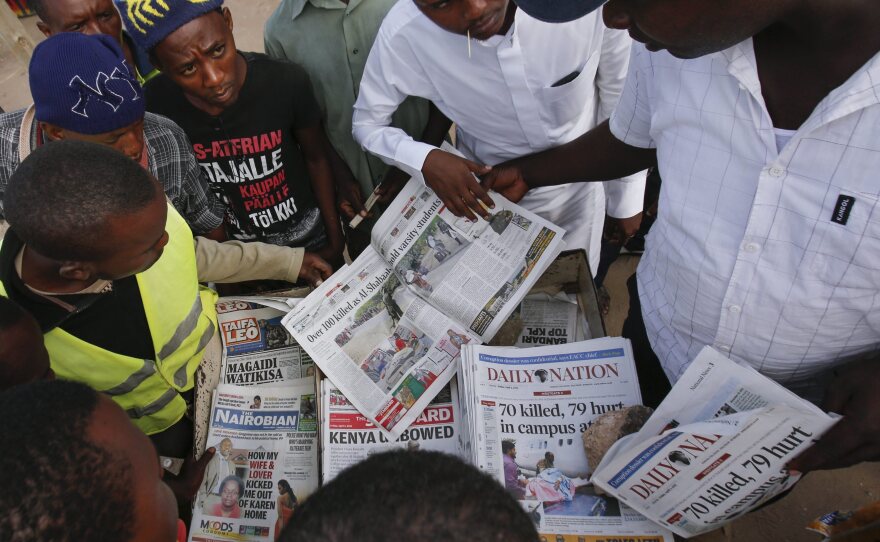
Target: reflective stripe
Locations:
point(154, 407)
point(134, 380)
point(182, 375)
point(184, 329)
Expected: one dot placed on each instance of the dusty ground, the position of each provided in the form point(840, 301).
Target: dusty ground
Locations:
point(784, 521)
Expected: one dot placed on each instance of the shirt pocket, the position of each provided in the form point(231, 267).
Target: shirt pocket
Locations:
point(848, 255)
point(567, 102)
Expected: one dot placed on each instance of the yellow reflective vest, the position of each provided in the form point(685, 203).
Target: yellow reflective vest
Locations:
point(182, 320)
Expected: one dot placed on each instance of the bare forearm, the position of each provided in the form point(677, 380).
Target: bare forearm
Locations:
point(594, 156)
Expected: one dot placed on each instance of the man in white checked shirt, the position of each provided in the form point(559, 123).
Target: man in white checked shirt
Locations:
point(763, 117)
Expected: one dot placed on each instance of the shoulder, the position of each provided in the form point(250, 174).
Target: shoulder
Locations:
point(402, 17)
point(161, 128)
point(283, 72)
point(10, 133)
point(160, 92)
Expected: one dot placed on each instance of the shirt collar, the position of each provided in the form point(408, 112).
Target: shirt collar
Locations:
point(296, 6)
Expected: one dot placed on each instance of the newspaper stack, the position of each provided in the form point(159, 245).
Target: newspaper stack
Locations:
point(550, 320)
point(524, 411)
point(715, 449)
point(265, 431)
point(266, 461)
point(388, 328)
point(347, 437)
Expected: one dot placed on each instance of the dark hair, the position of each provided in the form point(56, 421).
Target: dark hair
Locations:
point(61, 196)
point(287, 489)
point(237, 481)
point(426, 496)
point(66, 488)
point(507, 445)
point(10, 313)
point(549, 459)
point(257, 397)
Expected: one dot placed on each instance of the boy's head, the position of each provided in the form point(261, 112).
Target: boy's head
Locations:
point(79, 468)
point(23, 356)
point(693, 28)
point(425, 496)
point(83, 90)
point(90, 211)
point(83, 16)
point(481, 18)
point(192, 43)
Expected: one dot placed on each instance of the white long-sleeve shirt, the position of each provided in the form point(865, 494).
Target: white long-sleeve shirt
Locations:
point(502, 99)
point(768, 254)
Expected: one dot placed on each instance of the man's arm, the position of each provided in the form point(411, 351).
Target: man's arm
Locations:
point(236, 261)
point(388, 79)
point(595, 156)
point(312, 140)
point(856, 438)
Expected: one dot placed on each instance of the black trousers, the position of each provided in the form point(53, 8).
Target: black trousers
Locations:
point(652, 379)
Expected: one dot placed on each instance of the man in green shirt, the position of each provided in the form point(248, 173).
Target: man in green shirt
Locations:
point(331, 39)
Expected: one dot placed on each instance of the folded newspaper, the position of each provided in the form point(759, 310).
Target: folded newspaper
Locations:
point(266, 461)
point(524, 411)
point(388, 328)
point(715, 448)
point(347, 437)
point(256, 347)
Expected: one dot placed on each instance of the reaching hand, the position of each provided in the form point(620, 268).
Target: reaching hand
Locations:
point(392, 184)
point(349, 199)
point(186, 484)
point(507, 181)
point(621, 230)
point(314, 269)
point(452, 179)
point(856, 438)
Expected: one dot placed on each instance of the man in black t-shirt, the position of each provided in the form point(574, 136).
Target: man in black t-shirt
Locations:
point(253, 122)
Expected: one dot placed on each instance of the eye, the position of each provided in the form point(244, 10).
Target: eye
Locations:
point(106, 15)
point(188, 69)
point(219, 50)
point(440, 5)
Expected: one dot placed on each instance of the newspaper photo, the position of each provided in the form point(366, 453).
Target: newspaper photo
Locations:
point(266, 461)
point(714, 449)
point(256, 347)
point(347, 437)
point(474, 272)
point(526, 412)
point(388, 328)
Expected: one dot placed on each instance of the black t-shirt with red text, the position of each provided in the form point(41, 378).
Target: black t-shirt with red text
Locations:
point(249, 153)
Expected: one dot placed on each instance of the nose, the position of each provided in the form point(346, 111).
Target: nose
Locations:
point(212, 77)
point(615, 16)
point(132, 143)
point(92, 28)
point(474, 9)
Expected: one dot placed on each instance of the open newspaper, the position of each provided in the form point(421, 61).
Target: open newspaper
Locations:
point(387, 329)
point(525, 411)
point(256, 347)
point(347, 437)
point(715, 448)
point(266, 461)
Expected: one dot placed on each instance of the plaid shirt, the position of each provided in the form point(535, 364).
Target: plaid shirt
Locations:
point(170, 160)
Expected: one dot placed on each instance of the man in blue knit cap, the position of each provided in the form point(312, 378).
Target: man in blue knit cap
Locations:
point(83, 90)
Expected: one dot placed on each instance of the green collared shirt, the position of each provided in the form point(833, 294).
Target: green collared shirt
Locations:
point(331, 40)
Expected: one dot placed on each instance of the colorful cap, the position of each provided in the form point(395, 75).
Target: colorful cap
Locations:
point(83, 84)
point(150, 21)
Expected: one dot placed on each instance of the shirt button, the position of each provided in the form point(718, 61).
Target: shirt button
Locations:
point(355, 51)
point(734, 309)
point(776, 171)
point(752, 247)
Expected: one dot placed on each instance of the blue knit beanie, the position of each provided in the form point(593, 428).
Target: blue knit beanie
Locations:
point(150, 21)
point(83, 84)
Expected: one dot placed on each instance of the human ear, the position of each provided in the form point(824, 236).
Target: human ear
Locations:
point(44, 28)
point(53, 132)
point(227, 16)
